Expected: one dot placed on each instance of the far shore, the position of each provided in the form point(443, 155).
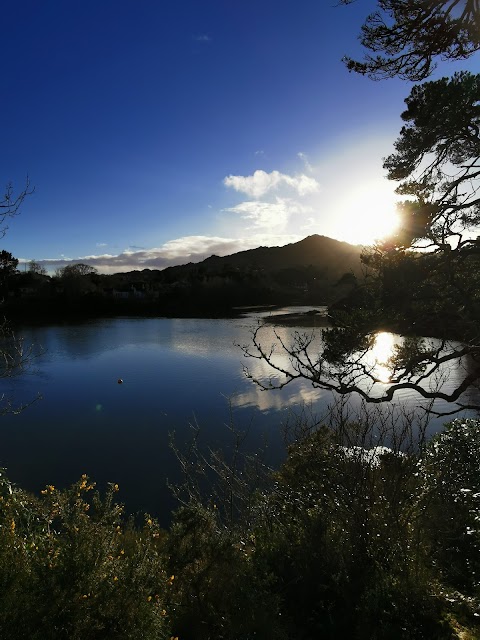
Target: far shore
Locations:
point(313, 319)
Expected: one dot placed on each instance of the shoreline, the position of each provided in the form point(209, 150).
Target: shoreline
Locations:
point(312, 319)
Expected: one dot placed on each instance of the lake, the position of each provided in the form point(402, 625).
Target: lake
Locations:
point(175, 372)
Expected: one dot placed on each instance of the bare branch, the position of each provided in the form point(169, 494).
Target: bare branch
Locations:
point(11, 203)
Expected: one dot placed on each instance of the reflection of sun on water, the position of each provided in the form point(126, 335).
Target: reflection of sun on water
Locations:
point(381, 353)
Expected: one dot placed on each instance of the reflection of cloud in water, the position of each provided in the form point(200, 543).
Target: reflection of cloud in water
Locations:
point(208, 337)
point(195, 346)
point(295, 394)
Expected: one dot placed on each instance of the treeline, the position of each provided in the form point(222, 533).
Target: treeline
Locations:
point(306, 272)
point(347, 539)
point(415, 293)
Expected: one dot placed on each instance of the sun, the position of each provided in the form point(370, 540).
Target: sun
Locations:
point(367, 213)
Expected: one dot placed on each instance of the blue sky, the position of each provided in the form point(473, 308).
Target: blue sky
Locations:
point(158, 133)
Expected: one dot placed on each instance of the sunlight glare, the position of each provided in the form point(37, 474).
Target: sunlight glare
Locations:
point(367, 213)
point(381, 353)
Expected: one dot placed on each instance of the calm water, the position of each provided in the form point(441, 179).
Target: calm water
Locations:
point(175, 372)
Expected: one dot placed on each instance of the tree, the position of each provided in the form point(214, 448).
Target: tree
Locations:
point(36, 267)
point(431, 292)
point(437, 160)
point(425, 280)
point(77, 279)
point(412, 34)
point(8, 264)
point(15, 355)
point(76, 270)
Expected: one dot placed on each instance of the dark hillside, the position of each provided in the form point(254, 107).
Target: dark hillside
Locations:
point(331, 256)
point(305, 272)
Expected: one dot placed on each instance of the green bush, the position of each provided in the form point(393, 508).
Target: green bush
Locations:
point(339, 533)
point(451, 477)
point(71, 567)
point(332, 549)
point(219, 591)
point(347, 539)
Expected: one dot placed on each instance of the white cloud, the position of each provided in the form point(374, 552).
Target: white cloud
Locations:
point(261, 182)
point(269, 214)
point(305, 185)
point(310, 223)
point(203, 37)
point(262, 214)
point(304, 158)
point(175, 252)
point(196, 246)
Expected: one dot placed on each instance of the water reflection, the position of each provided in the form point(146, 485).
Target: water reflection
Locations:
point(273, 401)
point(381, 355)
point(173, 370)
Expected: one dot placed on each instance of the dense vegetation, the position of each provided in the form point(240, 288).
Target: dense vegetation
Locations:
point(304, 272)
point(347, 539)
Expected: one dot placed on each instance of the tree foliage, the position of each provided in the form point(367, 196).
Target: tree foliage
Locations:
point(424, 280)
point(407, 36)
point(15, 355)
point(36, 267)
point(76, 270)
point(449, 469)
point(349, 538)
point(8, 264)
point(437, 160)
point(73, 567)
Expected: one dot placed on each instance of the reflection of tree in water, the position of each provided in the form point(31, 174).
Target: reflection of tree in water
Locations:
point(265, 402)
point(378, 367)
point(90, 338)
point(72, 342)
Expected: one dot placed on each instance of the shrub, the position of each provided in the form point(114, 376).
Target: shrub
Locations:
point(339, 533)
point(347, 539)
point(451, 474)
point(71, 567)
point(331, 547)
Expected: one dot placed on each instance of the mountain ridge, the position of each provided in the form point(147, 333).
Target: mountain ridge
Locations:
point(317, 250)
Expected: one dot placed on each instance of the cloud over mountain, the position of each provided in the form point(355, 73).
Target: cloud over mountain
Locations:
point(269, 215)
point(175, 252)
point(261, 183)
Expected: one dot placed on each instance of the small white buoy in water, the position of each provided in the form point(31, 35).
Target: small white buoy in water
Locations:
point(120, 381)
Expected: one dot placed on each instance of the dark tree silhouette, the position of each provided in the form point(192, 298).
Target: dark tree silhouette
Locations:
point(8, 264)
point(15, 355)
point(407, 36)
point(11, 203)
point(76, 270)
point(437, 158)
point(36, 267)
point(433, 292)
